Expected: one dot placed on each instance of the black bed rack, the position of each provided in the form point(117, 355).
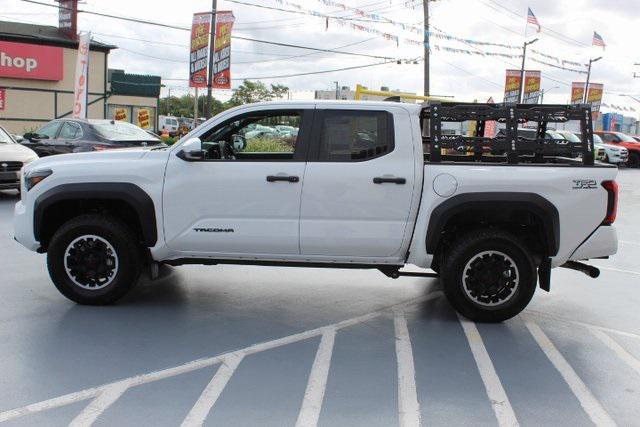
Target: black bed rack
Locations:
point(507, 146)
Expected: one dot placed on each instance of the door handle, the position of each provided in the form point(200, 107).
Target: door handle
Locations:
point(389, 180)
point(284, 178)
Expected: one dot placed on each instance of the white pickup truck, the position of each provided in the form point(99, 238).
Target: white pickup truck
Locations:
point(353, 187)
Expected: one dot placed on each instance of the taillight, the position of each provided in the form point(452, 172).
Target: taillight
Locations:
point(612, 201)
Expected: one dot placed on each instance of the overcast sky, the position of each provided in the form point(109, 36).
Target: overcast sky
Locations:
point(567, 31)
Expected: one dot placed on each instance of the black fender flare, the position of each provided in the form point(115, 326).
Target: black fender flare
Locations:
point(502, 203)
point(129, 193)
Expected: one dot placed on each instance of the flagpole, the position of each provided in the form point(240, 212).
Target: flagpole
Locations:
point(586, 85)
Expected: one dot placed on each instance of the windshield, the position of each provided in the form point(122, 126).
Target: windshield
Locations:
point(555, 135)
point(571, 137)
point(625, 138)
point(5, 138)
point(597, 139)
point(116, 131)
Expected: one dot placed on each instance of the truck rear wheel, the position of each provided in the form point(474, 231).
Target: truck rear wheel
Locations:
point(94, 259)
point(489, 276)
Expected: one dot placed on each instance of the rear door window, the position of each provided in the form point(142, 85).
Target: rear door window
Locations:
point(70, 131)
point(352, 136)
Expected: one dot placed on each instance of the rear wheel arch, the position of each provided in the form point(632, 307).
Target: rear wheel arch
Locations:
point(526, 213)
point(124, 201)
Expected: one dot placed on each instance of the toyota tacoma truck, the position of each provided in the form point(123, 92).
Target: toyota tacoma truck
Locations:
point(375, 185)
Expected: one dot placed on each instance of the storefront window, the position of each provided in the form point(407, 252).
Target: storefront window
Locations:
point(144, 117)
point(120, 113)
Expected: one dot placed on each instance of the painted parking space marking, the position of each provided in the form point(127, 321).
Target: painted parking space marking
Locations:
point(498, 397)
point(317, 383)
point(589, 403)
point(623, 354)
point(212, 391)
point(94, 392)
point(98, 405)
point(408, 406)
point(409, 413)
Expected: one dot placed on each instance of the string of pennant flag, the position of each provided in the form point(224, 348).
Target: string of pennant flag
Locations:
point(559, 63)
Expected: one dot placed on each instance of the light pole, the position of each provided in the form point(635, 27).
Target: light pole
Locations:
point(586, 85)
point(543, 91)
point(337, 91)
point(524, 57)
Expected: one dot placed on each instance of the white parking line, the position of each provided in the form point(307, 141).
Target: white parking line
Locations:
point(408, 406)
point(534, 313)
point(587, 400)
point(620, 270)
point(498, 397)
point(98, 405)
point(212, 391)
point(317, 383)
point(93, 392)
point(617, 348)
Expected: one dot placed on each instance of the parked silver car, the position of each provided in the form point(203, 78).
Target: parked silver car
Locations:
point(12, 157)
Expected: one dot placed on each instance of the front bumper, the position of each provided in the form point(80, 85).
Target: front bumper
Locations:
point(23, 227)
point(603, 242)
point(9, 180)
point(618, 157)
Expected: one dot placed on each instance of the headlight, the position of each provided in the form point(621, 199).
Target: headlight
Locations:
point(36, 176)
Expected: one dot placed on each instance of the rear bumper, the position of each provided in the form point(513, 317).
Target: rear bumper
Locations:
point(603, 242)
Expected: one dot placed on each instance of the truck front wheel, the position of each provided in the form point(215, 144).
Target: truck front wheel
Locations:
point(489, 276)
point(94, 259)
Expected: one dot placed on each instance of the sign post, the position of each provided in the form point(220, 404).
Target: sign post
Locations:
point(81, 80)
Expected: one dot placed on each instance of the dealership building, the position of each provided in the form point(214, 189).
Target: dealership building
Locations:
point(37, 69)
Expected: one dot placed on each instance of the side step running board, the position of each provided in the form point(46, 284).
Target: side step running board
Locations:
point(589, 270)
point(394, 273)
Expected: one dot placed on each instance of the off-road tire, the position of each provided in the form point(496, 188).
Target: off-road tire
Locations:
point(118, 236)
point(470, 247)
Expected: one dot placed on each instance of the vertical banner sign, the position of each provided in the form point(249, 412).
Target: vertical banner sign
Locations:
point(594, 96)
point(68, 17)
point(222, 50)
point(3, 98)
point(512, 86)
point(198, 56)
point(577, 92)
point(80, 82)
point(490, 126)
point(531, 87)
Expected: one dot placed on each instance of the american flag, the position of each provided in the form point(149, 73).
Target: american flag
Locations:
point(597, 40)
point(531, 19)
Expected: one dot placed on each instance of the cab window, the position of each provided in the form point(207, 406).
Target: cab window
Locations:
point(269, 135)
point(349, 136)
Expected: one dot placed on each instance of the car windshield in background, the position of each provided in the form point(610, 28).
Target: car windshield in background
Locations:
point(115, 131)
point(571, 137)
point(5, 138)
point(626, 138)
point(597, 139)
point(555, 135)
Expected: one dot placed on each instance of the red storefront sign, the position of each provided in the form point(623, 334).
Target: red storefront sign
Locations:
point(29, 61)
point(3, 98)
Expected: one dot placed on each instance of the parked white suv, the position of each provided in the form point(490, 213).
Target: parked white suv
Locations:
point(354, 189)
point(12, 157)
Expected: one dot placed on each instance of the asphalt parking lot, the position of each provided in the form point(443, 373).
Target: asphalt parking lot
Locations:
point(248, 346)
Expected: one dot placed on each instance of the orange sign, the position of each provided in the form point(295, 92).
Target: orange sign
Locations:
point(594, 96)
point(198, 57)
point(222, 50)
point(531, 91)
point(512, 86)
point(577, 92)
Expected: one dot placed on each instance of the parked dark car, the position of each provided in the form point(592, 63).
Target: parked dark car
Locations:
point(63, 136)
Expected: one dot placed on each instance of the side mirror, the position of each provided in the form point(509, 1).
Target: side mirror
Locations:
point(191, 150)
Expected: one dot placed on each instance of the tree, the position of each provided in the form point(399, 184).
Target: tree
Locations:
point(249, 92)
point(279, 91)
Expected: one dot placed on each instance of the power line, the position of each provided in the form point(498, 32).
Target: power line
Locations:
point(175, 27)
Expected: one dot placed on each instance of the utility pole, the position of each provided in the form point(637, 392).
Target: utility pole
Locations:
point(207, 109)
point(195, 108)
point(337, 90)
point(543, 91)
point(524, 58)
point(586, 85)
point(427, 47)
